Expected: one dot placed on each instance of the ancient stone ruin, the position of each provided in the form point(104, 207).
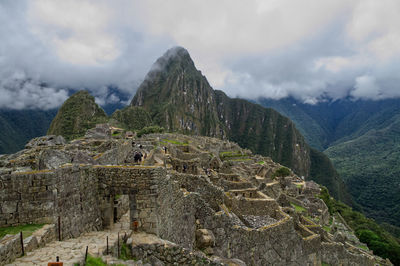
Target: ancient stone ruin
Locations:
point(193, 199)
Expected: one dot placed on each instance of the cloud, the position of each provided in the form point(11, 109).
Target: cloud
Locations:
point(308, 49)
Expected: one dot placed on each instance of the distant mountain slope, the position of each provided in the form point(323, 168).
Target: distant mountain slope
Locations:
point(362, 138)
point(17, 127)
point(370, 165)
point(78, 113)
point(179, 98)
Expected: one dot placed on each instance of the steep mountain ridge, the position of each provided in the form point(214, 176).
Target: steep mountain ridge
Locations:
point(179, 98)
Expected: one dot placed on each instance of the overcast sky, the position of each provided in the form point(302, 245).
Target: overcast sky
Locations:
point(309, 49)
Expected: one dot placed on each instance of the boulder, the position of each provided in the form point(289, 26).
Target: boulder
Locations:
point(82, 158)
point(51, 140)
point(101, 131)
point(52, 159)
point(204, 238)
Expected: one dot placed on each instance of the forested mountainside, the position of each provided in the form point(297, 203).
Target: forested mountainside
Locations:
point(362, 139)
point(17, 127)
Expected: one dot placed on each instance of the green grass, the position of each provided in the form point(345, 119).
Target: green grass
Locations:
point(27, 230)
point(95, 261)
point(232, 155)
point(364, 247)
point(166, 141)
point(327, 228)
point(261, 162)
point(298, 208)
point(240, 160)
point(125, 253)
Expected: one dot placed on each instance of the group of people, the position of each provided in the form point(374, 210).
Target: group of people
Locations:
point(138, 155)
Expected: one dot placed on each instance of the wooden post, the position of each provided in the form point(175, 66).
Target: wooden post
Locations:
point(22, 243)
point(59, 228)
point(86, 253)
point(118, 246)
point(107, 246)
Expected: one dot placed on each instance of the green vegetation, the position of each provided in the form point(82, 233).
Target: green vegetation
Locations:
point(125, 253)
point(298, 208)
point(132, 118)
point(166, 141)
point(364, 247)
point(17, 127)
point(96, 261)
point(370, 166)
point(323, 172)
point(362, 138)
point(240, 160)
point(150, 130)
point(232, 155)
point(282, 172)
point(78, 114)
point(367, 230)
point(93, 261)
point(261, 162)
point(27, 229)
point(326, 228)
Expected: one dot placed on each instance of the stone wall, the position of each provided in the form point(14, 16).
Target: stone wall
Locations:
point(76, 201)
point(77, 194)
point(26, 198)
point(158, 254)
point(10, 245)
point(140, 183)
point(336, 254)
point(251, 202)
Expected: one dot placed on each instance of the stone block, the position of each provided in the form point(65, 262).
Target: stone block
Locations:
point(9, 207)
point(30, 243)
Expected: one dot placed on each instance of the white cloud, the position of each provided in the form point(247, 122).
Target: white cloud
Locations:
point(308, 49)
point(366, 87)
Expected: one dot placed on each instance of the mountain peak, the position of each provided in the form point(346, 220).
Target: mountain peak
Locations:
point(174, 57)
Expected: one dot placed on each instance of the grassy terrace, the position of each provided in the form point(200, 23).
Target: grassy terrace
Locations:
point(171, 141)
point(298, 208)
point(232, 155)
point(27, 230)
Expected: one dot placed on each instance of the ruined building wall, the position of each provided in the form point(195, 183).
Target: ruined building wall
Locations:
point(76, 194)
point(139, 183)
point(76, 201)
point(176, 213)
point(27, 198)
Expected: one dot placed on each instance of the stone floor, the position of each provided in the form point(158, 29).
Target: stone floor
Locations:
point(73, 250)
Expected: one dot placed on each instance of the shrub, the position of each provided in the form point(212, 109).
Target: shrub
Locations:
point(149, 130)
point(282, 172)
